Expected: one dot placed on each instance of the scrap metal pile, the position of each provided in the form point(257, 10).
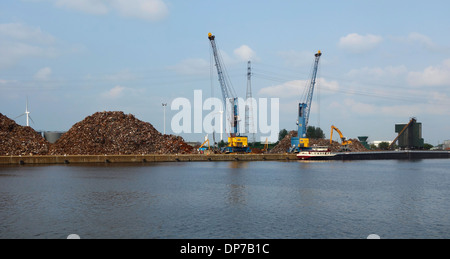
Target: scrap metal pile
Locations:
point(115, 133)
point(285, 144)
point(16, 140)
point(103, 133)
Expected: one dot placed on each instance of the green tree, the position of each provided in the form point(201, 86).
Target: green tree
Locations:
point(314, 133)
point(283, 133)
point(383, 146)
point(427, 146)
point(222, 144)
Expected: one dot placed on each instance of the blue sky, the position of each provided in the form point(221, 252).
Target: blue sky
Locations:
point(383, 61)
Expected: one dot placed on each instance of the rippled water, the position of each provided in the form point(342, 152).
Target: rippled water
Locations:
point(393, 199)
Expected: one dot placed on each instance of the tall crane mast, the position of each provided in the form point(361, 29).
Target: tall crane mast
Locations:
point(304, 110)
point(249, 120)
point(236, 142)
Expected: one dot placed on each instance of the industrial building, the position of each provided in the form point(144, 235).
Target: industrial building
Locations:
point(363, 140)
point(378, 142)
point(447, 145)
point(410, 135)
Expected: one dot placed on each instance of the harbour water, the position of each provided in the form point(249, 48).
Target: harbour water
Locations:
point(232, 200)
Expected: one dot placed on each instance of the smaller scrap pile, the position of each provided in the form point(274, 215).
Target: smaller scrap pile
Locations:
point(285, 144)
point(16, 140)
point(115, 133)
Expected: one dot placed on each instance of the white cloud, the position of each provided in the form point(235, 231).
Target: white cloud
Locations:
point(19, 41)
point(431, 76)
point(199, 66)
point(124, 93)
point(22, 32)
point(361, 108)
point(297, 59)
point(142, 9)
point(288, 89)
point(195, 66)
point(114, 93)
point(377, 72)
point(87, 6)
point(124, 75)
point(245, 53)
point(295, 89)
point(356, 43)
point(421, 39)
point(43, 74)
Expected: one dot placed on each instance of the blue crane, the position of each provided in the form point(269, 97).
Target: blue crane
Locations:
point(301, 142)
point(236, 142)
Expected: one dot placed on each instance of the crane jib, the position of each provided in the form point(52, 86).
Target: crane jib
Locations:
point(236, 143)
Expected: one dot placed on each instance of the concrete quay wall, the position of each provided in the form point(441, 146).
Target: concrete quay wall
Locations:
point(36, 160)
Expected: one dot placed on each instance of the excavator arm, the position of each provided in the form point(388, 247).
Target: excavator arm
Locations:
point(204, 143)
point(345, 142)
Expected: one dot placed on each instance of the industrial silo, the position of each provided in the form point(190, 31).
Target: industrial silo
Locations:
point(363, 140)
point(53, 136)
point(411, 137)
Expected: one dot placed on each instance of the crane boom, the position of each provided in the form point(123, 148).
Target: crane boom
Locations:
point(311, 88)
point(228, 93)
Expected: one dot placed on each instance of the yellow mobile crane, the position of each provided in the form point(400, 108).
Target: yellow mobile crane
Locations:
point(236, 142)
point(344, 140)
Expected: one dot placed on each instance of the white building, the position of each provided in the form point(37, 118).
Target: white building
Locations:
point(377, 143)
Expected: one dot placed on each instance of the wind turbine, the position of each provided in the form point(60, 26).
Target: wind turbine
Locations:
point(27, 113)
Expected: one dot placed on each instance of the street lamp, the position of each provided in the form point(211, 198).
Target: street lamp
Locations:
point(164, 107)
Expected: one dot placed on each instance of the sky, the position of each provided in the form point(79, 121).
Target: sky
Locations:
point(383, 61)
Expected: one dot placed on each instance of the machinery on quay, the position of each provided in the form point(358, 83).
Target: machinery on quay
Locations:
point(236, 142)
point(345, 142)
point(203, 147)
point(301, 143)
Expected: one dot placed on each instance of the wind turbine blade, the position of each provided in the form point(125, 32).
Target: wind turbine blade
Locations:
point(19, 116)
point(31, 119)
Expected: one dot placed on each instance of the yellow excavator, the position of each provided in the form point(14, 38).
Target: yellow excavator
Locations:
point(266, 146)
point(345, 142)
point(202, 149)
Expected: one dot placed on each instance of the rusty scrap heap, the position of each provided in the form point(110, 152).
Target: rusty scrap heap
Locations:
point(16, 140)
point(115, 133)
point(285, 143)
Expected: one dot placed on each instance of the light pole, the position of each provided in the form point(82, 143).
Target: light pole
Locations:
point(164, 107)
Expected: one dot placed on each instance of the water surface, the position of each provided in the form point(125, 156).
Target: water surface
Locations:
point(393, 199)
